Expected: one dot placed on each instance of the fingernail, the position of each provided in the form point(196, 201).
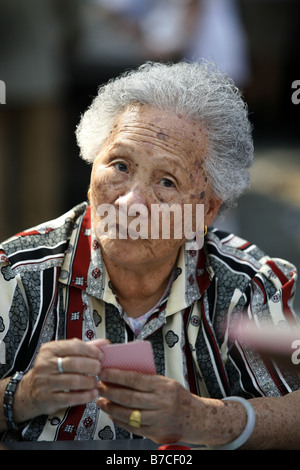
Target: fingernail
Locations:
point(103, 374)
point(101, 355)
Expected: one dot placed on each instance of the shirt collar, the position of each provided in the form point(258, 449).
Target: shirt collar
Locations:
point(193, 279)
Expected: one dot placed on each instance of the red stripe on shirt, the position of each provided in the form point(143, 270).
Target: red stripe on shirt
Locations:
point(75, 312)
point(281, 276)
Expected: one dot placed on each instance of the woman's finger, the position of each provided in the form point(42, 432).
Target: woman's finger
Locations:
point(76, 364)
point(74, 347)
point(131, 379)
point(122, 414)
point(72, 382)
point(154, 424)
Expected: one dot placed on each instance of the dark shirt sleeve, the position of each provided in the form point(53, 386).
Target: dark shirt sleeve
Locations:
point(13, 317)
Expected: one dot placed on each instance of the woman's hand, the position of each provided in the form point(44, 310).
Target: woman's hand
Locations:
point(45, 390)
point(166, 406)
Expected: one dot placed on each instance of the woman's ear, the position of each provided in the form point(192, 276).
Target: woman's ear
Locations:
point(211, 209)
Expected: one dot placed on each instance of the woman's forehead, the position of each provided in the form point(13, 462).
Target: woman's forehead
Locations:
point(147, 124)
point(156, 118)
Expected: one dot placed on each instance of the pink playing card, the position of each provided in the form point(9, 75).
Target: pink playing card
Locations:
point(135, 355)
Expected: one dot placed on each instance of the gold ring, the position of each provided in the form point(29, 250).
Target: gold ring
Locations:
point(135, 419)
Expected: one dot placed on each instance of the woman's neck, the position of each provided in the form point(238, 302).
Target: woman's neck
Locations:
point(139, 288)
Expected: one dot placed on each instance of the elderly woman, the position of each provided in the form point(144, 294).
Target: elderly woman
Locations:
point(161, 135)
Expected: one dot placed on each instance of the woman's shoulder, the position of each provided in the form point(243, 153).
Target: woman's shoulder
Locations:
point(247, 259)
point(44, 242)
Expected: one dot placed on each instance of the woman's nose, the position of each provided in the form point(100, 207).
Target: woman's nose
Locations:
point(135, 195)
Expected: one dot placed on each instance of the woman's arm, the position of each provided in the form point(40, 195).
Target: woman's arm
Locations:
point(170, 413)
point(277, 422)
point(44, 390)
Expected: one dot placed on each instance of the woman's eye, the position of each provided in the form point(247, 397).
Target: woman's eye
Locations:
point(121, 167)
point(167, 183)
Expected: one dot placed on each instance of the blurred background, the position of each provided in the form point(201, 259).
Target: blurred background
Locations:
point(54, 54)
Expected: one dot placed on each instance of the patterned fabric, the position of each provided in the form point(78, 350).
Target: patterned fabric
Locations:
point(54, 285)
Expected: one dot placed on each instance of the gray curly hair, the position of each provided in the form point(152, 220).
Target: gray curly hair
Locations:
point(197, 90)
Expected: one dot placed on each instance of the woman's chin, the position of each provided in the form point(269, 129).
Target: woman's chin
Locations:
point(127, 251)
point(132, 252)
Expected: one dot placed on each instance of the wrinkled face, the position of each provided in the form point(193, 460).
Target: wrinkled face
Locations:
point(152, 159)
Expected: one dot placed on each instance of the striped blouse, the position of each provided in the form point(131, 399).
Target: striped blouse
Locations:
point(54, 285)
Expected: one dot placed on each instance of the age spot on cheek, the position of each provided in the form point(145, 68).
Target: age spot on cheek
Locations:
point(161, 136)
